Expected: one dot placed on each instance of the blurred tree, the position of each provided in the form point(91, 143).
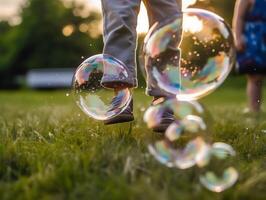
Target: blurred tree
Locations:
point(50, 35)
point(223, 8)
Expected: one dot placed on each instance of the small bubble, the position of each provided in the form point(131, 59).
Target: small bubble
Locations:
point(91, 96)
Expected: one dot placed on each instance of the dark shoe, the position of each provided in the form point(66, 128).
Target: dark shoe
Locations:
point(125, 116)
point(167, 116)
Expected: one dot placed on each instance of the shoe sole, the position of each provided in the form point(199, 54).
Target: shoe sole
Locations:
point(119, 119)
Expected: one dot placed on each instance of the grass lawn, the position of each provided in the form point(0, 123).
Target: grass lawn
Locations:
point(50, 150)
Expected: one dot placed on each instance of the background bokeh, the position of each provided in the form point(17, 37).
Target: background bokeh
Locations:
point(60, 34)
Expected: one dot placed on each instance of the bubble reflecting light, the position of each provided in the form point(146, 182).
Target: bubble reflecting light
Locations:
point(220, 177)
point(179, 110)
point(188, 123)
point(163, 152)
point(94, 90)
point(207, 54)
point(153, 116)
point(195, 152)
point(219, 184)
point(188, 58)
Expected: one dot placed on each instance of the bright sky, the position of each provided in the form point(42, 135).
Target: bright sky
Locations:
point(10, 8)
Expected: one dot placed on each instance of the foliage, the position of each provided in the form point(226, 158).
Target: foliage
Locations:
point(38, 41)
point(223, 8)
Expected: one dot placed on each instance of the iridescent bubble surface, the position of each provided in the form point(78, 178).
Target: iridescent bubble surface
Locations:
point(163, 152)
point(174, 131)
point(153, 115)
point(186, 144)
point(94, 90)
point(222, 150)
point(195, 152)
point(218, 184)
point(206, 59)
point(159, 41)
point(188, 126)
point(178, 109)
point(219, 175)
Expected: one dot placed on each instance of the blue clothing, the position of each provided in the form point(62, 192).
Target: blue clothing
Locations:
point(253, 59)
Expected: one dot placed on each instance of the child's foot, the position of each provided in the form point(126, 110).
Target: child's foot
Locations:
point(125, 116)
point(167, 117)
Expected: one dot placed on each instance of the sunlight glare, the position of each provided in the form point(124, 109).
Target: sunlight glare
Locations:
point(192, 24)
point(143, 21)
point(187, 3)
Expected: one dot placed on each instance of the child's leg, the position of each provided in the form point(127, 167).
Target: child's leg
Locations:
point(162, 11)
point(120, 21)
point(254, 92)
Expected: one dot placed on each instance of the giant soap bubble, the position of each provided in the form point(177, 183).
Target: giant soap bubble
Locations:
point(206, 59)
point(95, 92)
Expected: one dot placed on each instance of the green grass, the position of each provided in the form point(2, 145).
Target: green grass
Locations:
point(50, 150)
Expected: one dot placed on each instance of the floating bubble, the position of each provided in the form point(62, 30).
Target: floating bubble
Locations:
point(189, 131)
point(183, 145)
point(194, 124)
point(158, 41)
point(197, 151)
point(153, 115)
point(222, 150)
point(219, 175)
point(174, 131)
point(163, 152)
point(191, 124)
point(174, 108)
point(95, 92)
point(219, 184)
point(206, 58)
